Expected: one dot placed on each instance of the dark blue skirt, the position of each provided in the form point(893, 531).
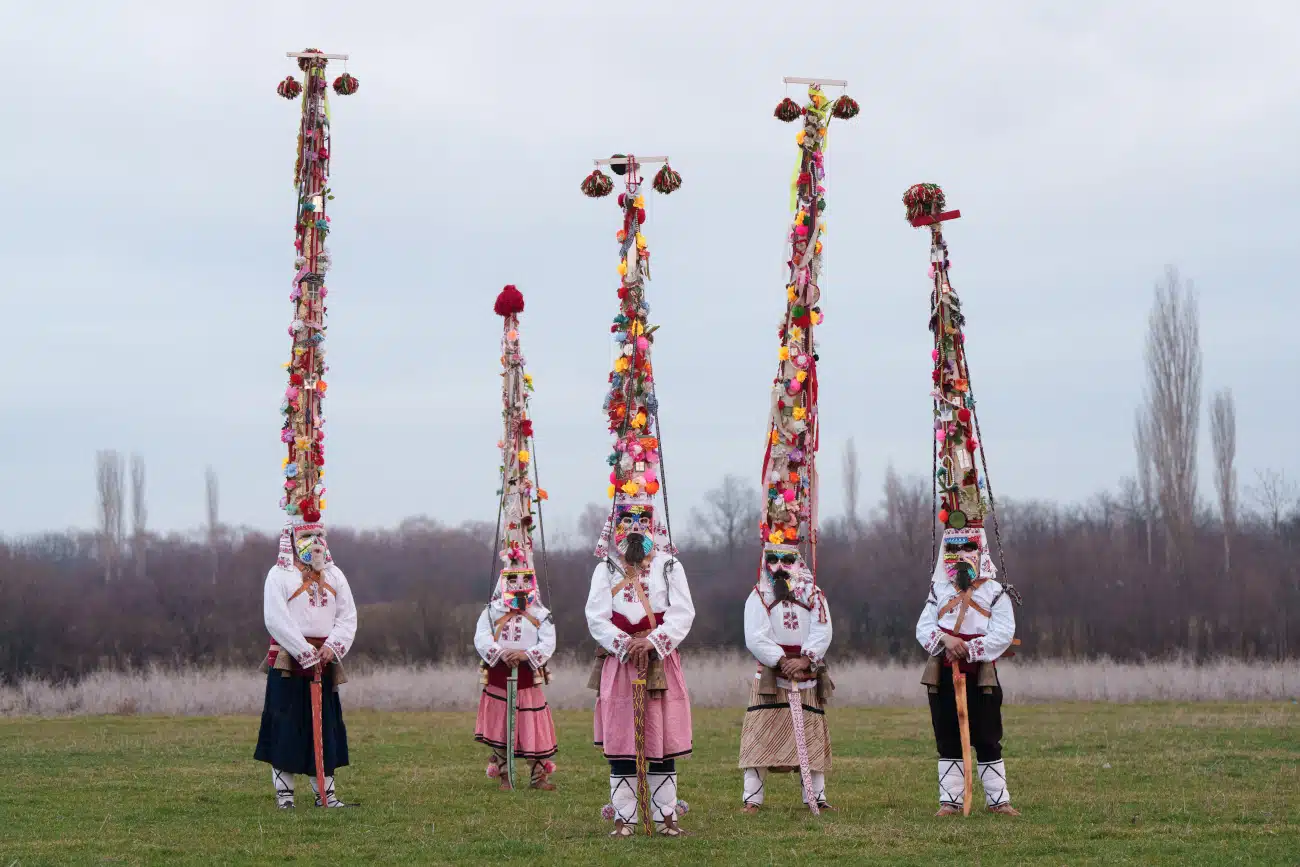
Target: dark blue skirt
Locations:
point(284, 740)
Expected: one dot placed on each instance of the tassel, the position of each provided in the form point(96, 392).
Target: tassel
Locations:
point(597, 185)
point(788, 111)
point(509, 302)
point(845, 107)
point(667, 181)
point(922, 199)
point(346, 85)
point(289, 88)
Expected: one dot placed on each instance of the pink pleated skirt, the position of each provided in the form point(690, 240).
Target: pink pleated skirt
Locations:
point(534, 728)
point(667, 718)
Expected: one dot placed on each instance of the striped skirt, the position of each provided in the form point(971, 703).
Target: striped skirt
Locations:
point(534, 728)
point(767, 737)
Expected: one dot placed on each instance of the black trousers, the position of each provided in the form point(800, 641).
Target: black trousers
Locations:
point(285, 739)
point(985, 711)
point(627, 767)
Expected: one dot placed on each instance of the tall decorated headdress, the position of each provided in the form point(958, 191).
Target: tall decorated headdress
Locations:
point(789, 521)
point(962, 497)
point(519, 511)
point(303, 429)
point(636, 474)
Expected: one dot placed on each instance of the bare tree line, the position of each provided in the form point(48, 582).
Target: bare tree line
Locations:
point(1146, 571)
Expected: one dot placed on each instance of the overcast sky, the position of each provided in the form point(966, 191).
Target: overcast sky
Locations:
point(146, 237)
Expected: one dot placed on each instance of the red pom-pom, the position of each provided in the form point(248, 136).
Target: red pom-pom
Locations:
point(509, 302)
point(943, 516)
point(312, 516)
point(295, 379)
point(963, 415)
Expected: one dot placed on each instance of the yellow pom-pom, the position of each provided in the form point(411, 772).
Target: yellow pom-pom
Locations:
point(639, 421)
point(622, 269)
point(799, 412)
point(784, 353)
point(638, 202)
point(523, 456)
point(776, 537)
point(611, 492)
point(621, 364)
point(776, 438)
point(817, 248)
point(630, 487)
point(815, 317)
point(790, 294)
point(284, 462)
point(640, 241)
point(798, 137)
point(801, 375)
point(322, 505)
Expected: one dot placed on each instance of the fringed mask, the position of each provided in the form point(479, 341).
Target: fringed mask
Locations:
point(780, 563)
point(309, 549)
point(634, 532)
point(520, 589)
point(961, 559)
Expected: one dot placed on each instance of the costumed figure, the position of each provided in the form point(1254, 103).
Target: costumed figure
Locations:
point(968, 622)
point(639, 609)
point(308, 604)
point(787, 619)
point(515, 635)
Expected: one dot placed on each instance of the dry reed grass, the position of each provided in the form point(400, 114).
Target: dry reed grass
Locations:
point(715, 680)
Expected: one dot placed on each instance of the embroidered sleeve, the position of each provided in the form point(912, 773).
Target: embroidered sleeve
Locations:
point(600, 612)
point(545, 646)
point(344, 629)
point(819, 632)
point(927, 627)
point(280, 622)
point(484, 643)
point(681, 610)
point(995, 642)
point(308, 657)
point(758, 631)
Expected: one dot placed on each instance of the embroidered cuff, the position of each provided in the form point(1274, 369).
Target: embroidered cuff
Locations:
point(818, 661)
point(308, 657)
point(536, 658)
point(619, 646)
point(340, 649)
point(663, 644)
point(976, 651)
point(931, 644)
point(493, 654)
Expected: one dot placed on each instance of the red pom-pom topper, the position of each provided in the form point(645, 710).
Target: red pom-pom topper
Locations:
point(509, 302)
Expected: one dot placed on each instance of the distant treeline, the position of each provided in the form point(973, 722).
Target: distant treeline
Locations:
point(1098, 579)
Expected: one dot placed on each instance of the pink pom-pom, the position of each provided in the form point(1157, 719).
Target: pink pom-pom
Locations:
point(931, 274)
point(613, 478)
point(493, 771)
point(788, 495)
point(607, 813)
point(548, 766)
point(651, 475)
point(510, 301)
point(934, 355)
point(940, 435)
point(794, 386)
point(642, 343)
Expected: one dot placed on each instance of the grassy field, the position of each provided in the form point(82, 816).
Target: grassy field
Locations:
point(1098, 784)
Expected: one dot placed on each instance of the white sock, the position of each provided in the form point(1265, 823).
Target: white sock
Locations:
point(622, 794)
point(755, 783)
point(952, 784)
point(331, 800)
point(993, 776)
point(818, 787)
point(282, 781)
point(663, 796)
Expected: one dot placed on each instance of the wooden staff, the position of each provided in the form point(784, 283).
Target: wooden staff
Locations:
point(642, 769)
point(963, 725)
point(317, 741)
point(512, 711)
point(801, 747)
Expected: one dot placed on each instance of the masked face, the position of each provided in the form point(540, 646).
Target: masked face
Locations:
point(780, 567)
point(633, 533)
point(310, 549)
point(961, 561)
point(519, 591)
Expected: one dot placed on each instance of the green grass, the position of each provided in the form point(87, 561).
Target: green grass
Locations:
point(1098, 784)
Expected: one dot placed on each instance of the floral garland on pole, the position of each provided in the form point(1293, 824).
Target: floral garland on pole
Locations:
point(302, 408)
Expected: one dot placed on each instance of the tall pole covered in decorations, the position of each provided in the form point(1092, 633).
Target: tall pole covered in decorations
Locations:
point(790, 460)
point(637, 471)
point(303, 431)
point(959, 480)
